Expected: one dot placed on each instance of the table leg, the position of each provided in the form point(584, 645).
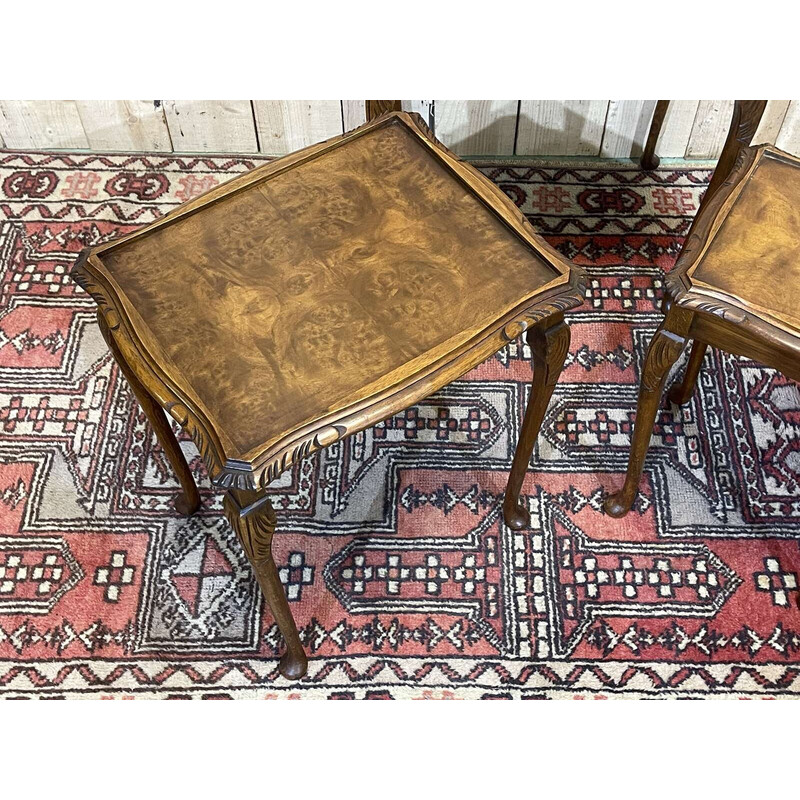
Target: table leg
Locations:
point(661, 355)
point(189, 500)
point(681, 392)
point(649, 159)
point(253, 518)
point(549, 345)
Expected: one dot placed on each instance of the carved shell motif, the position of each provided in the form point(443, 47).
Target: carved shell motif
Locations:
point(728, 313)
point(254, 530)
point(516, 328)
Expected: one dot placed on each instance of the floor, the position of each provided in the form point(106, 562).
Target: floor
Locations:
point(404, 580)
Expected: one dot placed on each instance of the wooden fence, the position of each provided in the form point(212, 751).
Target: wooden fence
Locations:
point(605, 128)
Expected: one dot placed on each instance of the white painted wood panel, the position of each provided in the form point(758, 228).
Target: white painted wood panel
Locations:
point(771, 121)
point(41, 124)
point(137, 125)
point(616, 128)
point(354, 113)
point(710, 129)
point(789, 136)
point(477, 127)
point(627, 126)
point(287, 125)
point(561, 127)
point(677, 127)
point(211, 126)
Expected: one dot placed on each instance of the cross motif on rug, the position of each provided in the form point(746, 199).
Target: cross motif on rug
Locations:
point(776, 581)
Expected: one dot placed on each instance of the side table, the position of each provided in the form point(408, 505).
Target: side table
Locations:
point(315, 296)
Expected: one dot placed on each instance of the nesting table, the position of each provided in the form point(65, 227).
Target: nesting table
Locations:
point(315, 296)
point(736, 286)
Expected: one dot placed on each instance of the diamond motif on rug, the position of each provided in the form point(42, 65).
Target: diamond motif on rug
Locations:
point(203, 594)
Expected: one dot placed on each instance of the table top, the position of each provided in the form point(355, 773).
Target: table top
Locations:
point(323, 292)
point(752, 255)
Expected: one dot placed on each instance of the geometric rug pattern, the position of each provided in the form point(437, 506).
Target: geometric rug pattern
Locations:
point(403, 579)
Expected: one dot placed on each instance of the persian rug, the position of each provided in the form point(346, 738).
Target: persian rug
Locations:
point(404, 581)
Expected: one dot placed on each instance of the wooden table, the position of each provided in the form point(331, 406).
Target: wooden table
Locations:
point(736, 285)
point(316, 296)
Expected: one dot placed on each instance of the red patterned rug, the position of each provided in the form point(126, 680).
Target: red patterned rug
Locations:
point(403, 579)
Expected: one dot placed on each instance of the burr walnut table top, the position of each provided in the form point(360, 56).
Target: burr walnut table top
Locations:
point(752, 257)
point(322, 292)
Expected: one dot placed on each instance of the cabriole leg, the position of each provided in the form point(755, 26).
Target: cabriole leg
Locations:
point(549, 344)
point(252, 516)
point(661, 355)
point(189, 500)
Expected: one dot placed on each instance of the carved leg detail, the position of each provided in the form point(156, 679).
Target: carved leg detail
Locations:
point(189, 500)
point(252, 516)
point(550, 347)
point(661, 355)
point(682, 392)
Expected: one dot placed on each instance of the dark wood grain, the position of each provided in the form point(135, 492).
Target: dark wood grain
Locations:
point(375, 108)
point(315, 286)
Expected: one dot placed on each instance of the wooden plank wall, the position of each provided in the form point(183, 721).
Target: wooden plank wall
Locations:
point(272, 127)
point(694, 129)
